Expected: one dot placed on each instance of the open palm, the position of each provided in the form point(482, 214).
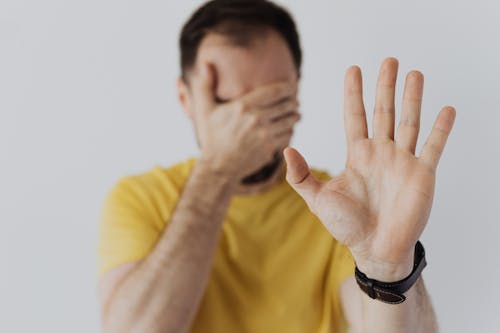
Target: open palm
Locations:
point(379, 205)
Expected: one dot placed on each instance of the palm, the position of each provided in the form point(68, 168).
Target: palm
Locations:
point(379, 205)
point(384, 194)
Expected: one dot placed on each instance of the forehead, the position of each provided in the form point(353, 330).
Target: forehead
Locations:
point(240, 69)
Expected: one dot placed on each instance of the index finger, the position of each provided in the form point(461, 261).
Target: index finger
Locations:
point(203, 84)
point(354, 109)
point(270, 94)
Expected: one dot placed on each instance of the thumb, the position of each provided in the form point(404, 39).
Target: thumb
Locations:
point(300, 177)
point(204, 86)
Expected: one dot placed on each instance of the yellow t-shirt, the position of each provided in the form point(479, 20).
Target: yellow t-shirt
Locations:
point(276, 268)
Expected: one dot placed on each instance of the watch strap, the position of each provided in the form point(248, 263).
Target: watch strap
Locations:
point(393, 292)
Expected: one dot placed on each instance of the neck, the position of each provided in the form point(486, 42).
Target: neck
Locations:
point(277, 177)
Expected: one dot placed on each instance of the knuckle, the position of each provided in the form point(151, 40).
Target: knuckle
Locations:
point(288, 105)
point(435, 148)
point(276, 90)
point(241, 106)
point(254, 120)
point(264, 137)
point(410, 121)
point(263, 134)
point(384, 109)
point(294, 119)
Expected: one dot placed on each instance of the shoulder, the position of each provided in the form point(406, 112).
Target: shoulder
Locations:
point(156, 181)
point(146, 196)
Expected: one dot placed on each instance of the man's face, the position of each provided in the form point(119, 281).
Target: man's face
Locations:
point(240, 69)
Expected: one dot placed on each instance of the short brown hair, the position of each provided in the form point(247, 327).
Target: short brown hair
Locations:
point(236, 19)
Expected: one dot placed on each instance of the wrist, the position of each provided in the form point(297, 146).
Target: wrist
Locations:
point(207, 168)
point(217, 164)
point(389, 282)
point(385, 271)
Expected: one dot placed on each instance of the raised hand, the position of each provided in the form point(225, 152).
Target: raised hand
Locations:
point(379, 205)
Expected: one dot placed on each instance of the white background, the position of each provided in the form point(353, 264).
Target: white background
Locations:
point(87, 95)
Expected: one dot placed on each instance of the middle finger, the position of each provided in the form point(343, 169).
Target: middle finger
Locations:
point(383, 116)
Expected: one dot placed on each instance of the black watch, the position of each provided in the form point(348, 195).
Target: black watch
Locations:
point(392, 292)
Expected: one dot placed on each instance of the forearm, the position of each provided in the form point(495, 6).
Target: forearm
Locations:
point(414, 315)
point(163, 293)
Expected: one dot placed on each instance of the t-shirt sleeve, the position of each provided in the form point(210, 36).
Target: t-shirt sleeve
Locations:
point(129, 227)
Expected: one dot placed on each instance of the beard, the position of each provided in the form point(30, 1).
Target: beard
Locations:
point(265, 172)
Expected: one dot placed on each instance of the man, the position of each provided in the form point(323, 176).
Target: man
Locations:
point(232, 241)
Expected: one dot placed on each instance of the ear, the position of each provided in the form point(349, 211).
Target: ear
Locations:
point(184, 96)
